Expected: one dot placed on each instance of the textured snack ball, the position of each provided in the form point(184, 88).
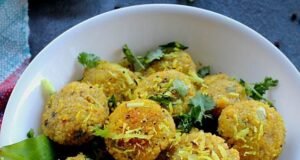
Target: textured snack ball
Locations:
point(179, 61)
point(224, 90)
point(253, 128)
point(80, 156)
point(200, 145)
point(113, 78)
point(142, 130)
point(160, 84)
point(70, 114)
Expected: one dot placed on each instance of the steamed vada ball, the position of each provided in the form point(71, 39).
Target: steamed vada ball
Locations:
point(172, 89)
point(140, 129)
point(70, 114)
point(115, 80)
point(179, 61)
point(256, 130)
point(200, 145)
point(224, 90)
point(80, 156)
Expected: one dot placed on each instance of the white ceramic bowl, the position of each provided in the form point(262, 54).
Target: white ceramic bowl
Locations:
point(227, 45)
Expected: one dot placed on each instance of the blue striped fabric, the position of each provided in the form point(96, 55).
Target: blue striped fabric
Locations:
point(14, 31)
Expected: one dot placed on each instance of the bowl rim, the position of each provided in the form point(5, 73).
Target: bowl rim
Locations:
point(4, 131)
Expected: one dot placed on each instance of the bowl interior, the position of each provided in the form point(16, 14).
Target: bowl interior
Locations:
point(215, 40)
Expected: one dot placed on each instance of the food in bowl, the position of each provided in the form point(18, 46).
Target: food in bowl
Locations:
point(254, 128)
point(139, 129)
point(69, 114)
point(158, 106)
point(158, 87)
point(200, 145)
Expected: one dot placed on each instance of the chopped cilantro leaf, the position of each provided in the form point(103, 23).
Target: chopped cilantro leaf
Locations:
point(262, 87)
point(200, 104)
point(202, 100)
point(257, 90)
point(180, 87)
point(163, 100)
point(204, 71)
point(185, 123)
point(88, 60)
point(168, 96)
point(200, 107)
point(153, 55)
point(172, 47)
point(30, 133)
point(140, 63)
point(137, 62)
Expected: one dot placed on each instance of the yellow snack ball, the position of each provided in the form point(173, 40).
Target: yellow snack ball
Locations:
point(70, 114)
point(256, 130)
point(141, 129)
point(113, 78)
point(200, 145)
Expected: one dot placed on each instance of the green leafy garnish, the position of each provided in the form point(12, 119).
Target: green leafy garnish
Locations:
point(30, 133)
point(257, 90)
point(47, 87)
point(199, 104)
point(200, 107)
point(180, 87)
point(268, 83)
point(173, 47)
point(38, 147)
point(140, 63)
point(112, 102)
point(204, 71)
point(153, 55)
point(88, 60)
point(163, 100)
point(171, 95)
point(185, 123)
point(105, 133)
point(134, 60)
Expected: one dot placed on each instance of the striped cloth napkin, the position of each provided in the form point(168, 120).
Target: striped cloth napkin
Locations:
point(14, 48)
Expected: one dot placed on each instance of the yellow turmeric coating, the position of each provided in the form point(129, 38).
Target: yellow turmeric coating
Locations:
point(80, 156)
point(70, 114)
point(160, 83)
point(224, 90)
point(146, 129)
point(180, 61)
point(113, 78)
point(253, 128)
point(200, 145)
